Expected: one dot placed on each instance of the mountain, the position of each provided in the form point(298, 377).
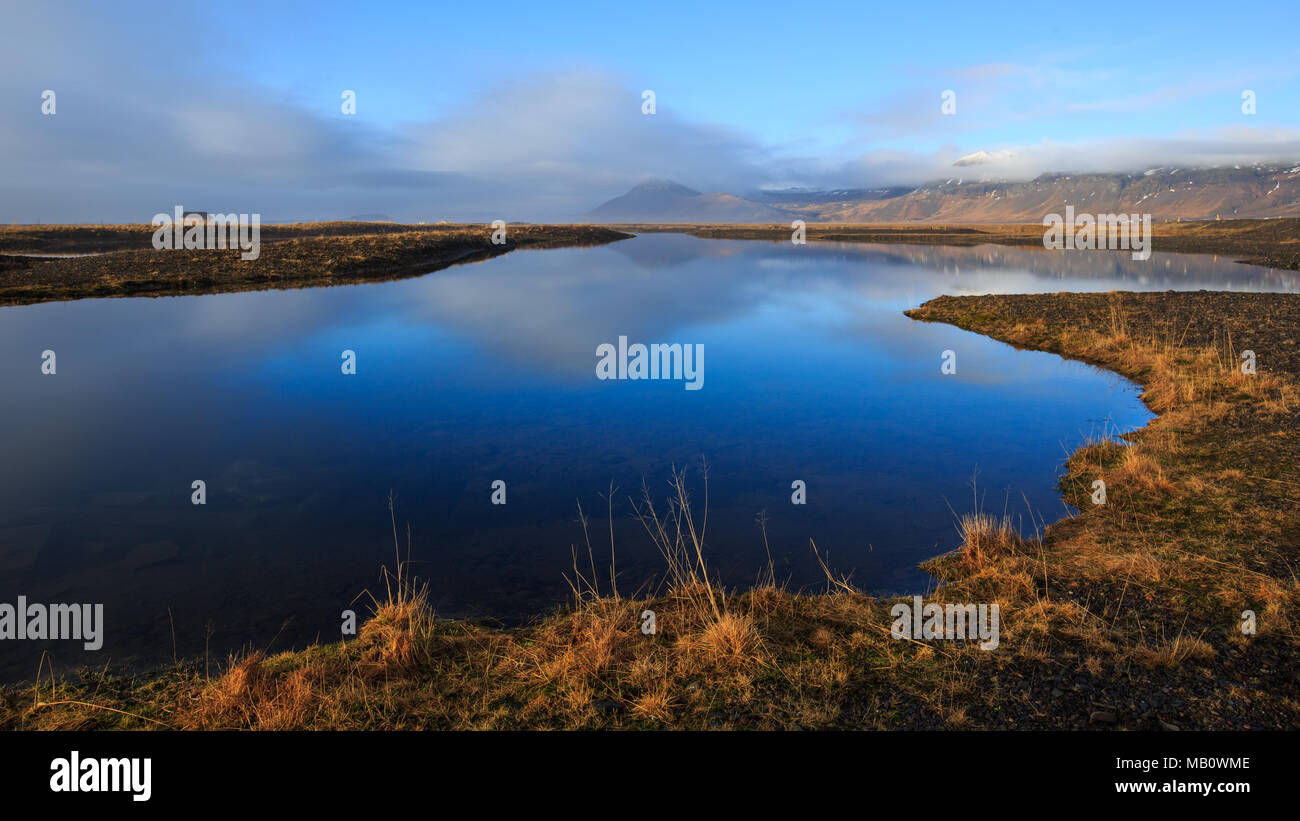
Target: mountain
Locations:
point(983, 158)
point(806, 196)
point(1165, 193)
point(666, 201)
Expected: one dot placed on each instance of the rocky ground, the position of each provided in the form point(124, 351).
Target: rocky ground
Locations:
point(123, 262)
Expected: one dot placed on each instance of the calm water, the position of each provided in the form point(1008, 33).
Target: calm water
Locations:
point(487, 371)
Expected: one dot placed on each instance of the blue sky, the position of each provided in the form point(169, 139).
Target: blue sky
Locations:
point(460, 108)
point(792, 74)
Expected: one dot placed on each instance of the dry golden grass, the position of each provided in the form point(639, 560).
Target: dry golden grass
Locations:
point(1173, 653)
point(730, 640)
point(985, 538)
point(1140, 469)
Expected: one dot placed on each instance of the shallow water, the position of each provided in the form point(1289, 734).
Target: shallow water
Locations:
point(486, 372)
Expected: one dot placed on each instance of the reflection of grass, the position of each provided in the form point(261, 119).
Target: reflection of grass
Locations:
point(1271, 242)
point(1129, 608)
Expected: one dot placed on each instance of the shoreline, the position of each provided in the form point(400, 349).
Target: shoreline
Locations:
point(1124, 616)
point(1273, 243)
point(119, 261)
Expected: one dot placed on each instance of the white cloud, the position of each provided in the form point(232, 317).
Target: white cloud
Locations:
point(145, 122)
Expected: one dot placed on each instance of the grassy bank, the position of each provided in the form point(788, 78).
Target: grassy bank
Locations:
point(1274, 243)
point(124, 263)
point(294, 256)
point(1125, 616)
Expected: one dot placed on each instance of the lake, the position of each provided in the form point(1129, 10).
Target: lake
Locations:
point(486, 372)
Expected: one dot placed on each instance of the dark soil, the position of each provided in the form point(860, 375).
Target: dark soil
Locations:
point(291, 257)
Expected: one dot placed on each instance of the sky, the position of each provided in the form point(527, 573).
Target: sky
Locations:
point(533, 111)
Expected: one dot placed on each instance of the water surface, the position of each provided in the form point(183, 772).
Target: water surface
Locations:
point(486, 372)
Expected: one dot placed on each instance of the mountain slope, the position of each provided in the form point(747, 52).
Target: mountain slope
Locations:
point(665, 201)
point(1165, 193)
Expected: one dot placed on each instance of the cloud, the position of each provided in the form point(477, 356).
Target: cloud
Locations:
point(149, 117)
point(144, 123)
point(1229, 145)
point(583, 131)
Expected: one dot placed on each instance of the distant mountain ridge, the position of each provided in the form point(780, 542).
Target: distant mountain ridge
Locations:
point(667, 201)
point(1166, 193)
